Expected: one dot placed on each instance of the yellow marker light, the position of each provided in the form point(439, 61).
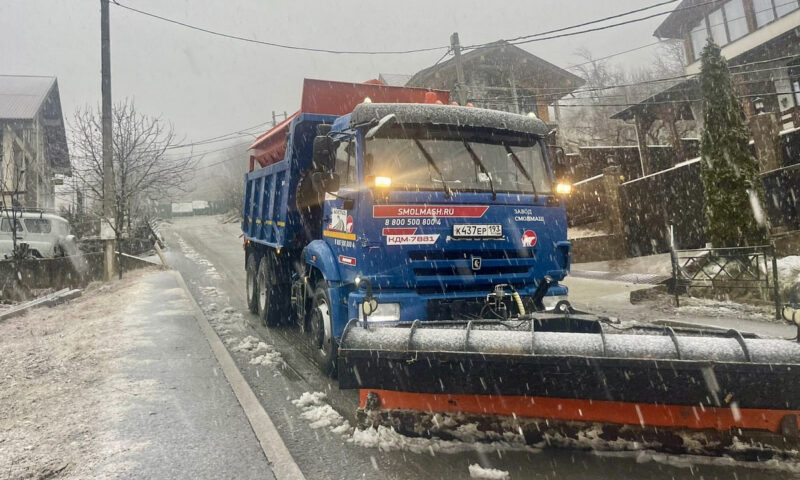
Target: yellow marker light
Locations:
point(383, 182)
point(563, 188)
point(367, 100)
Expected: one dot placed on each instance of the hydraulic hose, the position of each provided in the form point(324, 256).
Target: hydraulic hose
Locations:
point(518, 300)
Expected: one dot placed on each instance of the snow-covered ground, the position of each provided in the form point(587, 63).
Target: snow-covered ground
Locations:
point(56, 402)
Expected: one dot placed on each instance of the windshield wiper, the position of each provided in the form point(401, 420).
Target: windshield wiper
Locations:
point(432, 163)
point(515, 158)
point(480, 165)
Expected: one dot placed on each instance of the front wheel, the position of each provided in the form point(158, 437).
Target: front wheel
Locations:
point(252, 285)
point(322, 342)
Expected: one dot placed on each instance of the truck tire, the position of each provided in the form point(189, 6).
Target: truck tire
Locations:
point(271, 301)
point(324, 347)
point(251, 283)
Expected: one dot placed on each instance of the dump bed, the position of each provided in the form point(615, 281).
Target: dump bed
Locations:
point(269, 215)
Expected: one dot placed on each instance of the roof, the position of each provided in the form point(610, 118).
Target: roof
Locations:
point(679, 95)
point(531, 72)
point(455, 116)
point(683, 17)
point(21, 97)
point(394, 79)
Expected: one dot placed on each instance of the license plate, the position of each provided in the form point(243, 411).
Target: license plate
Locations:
point(477, 231)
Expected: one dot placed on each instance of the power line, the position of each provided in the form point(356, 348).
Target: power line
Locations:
point(540, 36)
point(606, 27)
point(611, 17)
point(561, 93)
point(279, 45)
point(660, 102)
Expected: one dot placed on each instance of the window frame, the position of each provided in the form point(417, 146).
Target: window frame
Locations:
point(349, 178)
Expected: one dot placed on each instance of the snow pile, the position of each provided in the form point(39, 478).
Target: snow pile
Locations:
point(319, 414)
point(269, 358)
point(250, 344)
point(789, 270)
point(476, 471)
point(387, 439)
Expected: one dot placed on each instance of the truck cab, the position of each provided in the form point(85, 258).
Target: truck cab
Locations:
point(438, 204)
point(396, 212)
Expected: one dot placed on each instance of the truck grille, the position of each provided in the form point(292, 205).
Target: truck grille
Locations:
point(507, 266)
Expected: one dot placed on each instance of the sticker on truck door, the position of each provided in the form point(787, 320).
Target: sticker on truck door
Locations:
point(340, 221)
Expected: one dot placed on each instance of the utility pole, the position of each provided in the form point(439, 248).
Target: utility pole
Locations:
point(460, 82)
point(108, 152)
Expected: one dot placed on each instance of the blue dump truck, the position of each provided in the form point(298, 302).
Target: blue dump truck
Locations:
point(420, 208)
point(420, 247)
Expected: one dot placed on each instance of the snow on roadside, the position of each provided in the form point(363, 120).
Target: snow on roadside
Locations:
point(319, 414)
point(476, 471)
point(789, 270)
point(708, 307)
point(387, 439)
point(192, 255)
point(689, 461)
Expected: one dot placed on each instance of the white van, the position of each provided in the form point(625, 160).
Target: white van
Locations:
point(47, 235)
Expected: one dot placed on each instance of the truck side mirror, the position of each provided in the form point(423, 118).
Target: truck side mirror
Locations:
point(325, 182)
point(324, 153)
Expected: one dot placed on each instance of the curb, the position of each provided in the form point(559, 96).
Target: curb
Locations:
point(283, 465)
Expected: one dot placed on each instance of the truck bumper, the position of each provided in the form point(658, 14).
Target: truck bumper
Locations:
point(415, 306)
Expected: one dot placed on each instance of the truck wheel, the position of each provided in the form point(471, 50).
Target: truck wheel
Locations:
point(252, 285)
point(269, 295)
point(322, 342)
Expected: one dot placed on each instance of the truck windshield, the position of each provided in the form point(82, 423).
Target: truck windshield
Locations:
point(400, 158)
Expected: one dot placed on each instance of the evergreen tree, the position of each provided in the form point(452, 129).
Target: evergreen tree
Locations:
point(728, 170)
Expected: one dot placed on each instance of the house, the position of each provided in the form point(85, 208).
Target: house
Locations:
point(33, 140)
point(761, 41)
point(502, 76)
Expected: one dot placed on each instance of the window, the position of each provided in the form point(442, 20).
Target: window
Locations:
point(783, 7)
point(764, 12)
point(409, 161)
point(345, 166)
point(737, 23)
point(37, 225)
point(5, 225)
point(727, 24)
point(699, 35)
point(717, 24)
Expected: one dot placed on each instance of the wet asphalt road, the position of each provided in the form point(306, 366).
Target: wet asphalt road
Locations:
point(325, 455)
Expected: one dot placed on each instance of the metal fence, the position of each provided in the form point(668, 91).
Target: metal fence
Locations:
point(725, 269)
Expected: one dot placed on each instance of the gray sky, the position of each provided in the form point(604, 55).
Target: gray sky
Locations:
point(208, 85)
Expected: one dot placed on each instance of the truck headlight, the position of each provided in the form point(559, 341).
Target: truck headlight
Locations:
point(386, 312)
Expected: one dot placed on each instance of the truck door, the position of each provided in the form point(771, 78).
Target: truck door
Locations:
point(339, 226)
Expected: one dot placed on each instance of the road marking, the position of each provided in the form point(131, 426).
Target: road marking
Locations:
point(283, 465)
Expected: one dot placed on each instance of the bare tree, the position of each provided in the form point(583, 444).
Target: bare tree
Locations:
point(145, 171)
point(608, 90)
point(587, 121)
point(12, 181)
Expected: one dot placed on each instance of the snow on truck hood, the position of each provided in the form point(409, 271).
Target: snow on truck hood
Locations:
point(455, 116)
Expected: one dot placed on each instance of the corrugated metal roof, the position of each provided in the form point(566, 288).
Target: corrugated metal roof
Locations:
point(22, 96)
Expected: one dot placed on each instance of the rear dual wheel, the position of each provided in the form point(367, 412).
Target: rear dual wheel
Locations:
point(272, 298)
point(251, 288)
